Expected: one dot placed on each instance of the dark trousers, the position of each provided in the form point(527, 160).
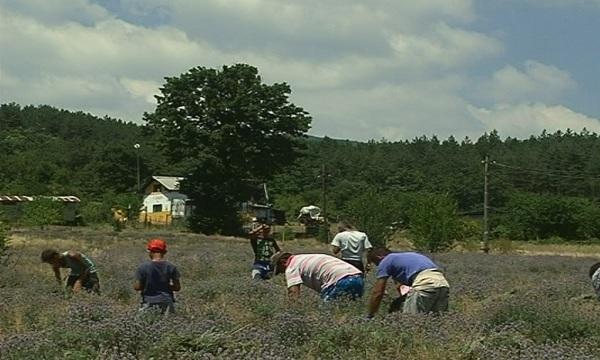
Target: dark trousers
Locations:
point(91, 282)
point(357, 264)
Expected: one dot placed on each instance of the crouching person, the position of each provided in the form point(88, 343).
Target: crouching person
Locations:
point(83, 270)
point(595, 276)
point(328, 275)
point(427, 287)
point(157, 279)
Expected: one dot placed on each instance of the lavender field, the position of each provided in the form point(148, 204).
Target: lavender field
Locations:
point(502, 307)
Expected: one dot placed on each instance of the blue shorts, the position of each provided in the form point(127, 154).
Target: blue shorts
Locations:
point(351, 286)
point(261, 270)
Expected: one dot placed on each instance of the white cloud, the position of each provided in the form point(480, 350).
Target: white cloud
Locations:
point(525, 119)
point(142, 89)
point(537, 82)
point(444, 46)
point(57, 11)
point(393, 69)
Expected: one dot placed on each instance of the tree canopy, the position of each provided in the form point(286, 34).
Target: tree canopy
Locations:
point(229, 129)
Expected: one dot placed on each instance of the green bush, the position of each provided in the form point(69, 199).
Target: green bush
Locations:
point(374, 213)
point(3, 239)
point(534, 217)
point(98, 211)
point(433, 222)
point(43, 211)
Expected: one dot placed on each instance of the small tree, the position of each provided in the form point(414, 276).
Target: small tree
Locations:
point(434, 223)
point(42, 211)
point(374, 213)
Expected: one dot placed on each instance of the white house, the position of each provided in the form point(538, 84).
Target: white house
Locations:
point(163, 202)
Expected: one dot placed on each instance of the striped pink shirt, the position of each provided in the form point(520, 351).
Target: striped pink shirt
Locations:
point(317, 271)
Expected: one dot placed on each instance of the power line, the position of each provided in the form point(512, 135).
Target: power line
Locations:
point(546, 172)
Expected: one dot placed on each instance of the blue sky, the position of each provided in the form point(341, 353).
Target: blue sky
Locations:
point(388, 69)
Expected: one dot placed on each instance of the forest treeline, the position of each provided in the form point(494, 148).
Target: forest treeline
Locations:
point(546, 185)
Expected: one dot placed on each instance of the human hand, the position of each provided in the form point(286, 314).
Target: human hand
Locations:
point(77, 286)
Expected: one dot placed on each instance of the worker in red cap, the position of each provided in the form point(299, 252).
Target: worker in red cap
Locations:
point(157, 279)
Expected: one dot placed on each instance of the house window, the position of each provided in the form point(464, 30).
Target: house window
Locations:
point(157, 208)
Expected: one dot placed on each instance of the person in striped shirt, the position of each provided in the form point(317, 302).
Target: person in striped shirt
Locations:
point(326, 274)
point(83, 270)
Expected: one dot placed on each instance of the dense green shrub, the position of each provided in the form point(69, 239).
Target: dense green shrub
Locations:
point(532, 217)
point(98, 211)
point(3, 238)
point(43, 211)
point(433, 222)
point(374, 213)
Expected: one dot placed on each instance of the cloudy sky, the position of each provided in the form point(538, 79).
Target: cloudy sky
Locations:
point(392, 69)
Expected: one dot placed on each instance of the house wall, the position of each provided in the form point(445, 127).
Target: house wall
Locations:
point(152, 200)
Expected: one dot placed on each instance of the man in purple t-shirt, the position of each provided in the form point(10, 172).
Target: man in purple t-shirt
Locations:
point(429, 288)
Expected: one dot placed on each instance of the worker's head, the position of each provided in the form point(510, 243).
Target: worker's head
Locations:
point(594, 268)
point(376, 255)
point(50, 256)
point(279, 262)
point(345, 226)
point(262, 230)
point(156, 247)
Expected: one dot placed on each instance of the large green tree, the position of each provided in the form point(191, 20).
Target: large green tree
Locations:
point(229, 129)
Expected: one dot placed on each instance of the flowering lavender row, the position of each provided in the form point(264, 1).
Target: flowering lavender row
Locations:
point(502, 307)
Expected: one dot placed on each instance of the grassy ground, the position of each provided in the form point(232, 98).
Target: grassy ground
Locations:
point(503, 306)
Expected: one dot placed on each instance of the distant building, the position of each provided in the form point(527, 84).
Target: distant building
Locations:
point(11, 206)
point(163, 202)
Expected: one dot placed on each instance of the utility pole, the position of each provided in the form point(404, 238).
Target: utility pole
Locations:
point(137, 158)
point(324, 189)
point(484, 243)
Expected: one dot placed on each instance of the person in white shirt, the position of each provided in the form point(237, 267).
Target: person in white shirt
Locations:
point(352, 245)
point(595, 276)
point(328, 275)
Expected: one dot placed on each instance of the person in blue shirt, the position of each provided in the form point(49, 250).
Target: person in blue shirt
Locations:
point(157, 279)
point(429, 288)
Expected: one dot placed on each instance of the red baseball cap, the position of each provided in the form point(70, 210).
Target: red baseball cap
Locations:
point(157, 245)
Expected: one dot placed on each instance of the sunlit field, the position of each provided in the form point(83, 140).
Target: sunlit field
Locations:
point(503, 306)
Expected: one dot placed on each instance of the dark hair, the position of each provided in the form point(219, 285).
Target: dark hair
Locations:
point(48, 255)
point(345, 225)
point(376, 253)
point(594, 268)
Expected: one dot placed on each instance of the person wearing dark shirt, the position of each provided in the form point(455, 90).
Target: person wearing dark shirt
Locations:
point(264, 246)
point(157, 279)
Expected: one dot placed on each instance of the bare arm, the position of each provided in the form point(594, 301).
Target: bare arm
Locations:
point(276, 246)
point(376, 296)
point(56, 270)
point(176, 285)
point(137, 285)
point(294, 292)
point(335, 249)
